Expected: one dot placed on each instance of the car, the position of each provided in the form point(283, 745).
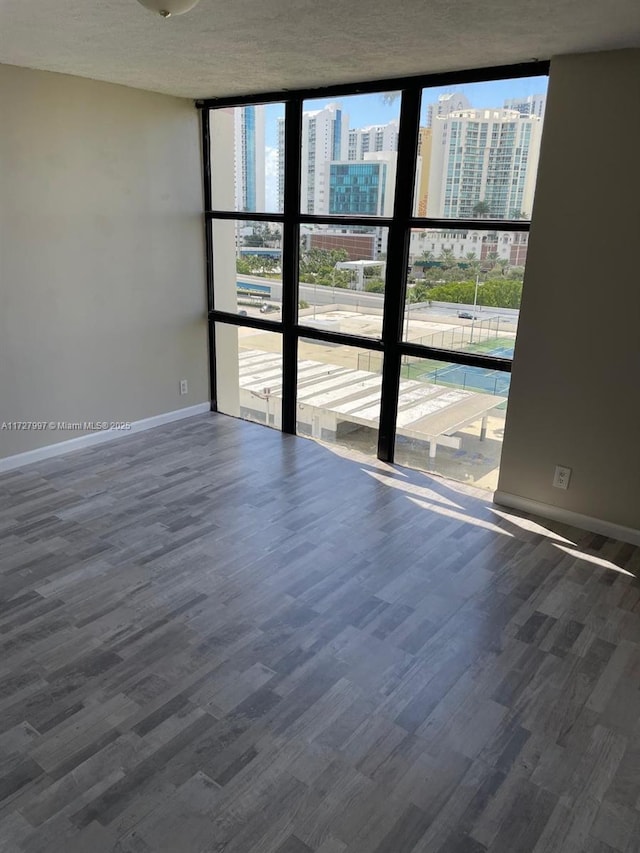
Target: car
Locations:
point(465, 315)
point(242, 313)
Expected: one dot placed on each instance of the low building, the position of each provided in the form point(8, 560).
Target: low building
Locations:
point(510, 246)
point(358, 245)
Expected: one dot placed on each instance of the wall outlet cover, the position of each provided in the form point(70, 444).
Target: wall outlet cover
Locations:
point(561, 477)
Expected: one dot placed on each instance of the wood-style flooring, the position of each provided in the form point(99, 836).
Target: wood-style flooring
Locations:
point(215, 637)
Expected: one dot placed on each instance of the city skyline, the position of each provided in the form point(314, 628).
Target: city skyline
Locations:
point(250, 181)
point(375, 109)
point(365, 110)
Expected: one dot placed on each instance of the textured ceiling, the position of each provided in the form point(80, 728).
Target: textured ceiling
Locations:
point(229, 47)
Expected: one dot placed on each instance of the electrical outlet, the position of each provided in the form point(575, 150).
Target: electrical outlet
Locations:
point(561, 477)
point(184, 386)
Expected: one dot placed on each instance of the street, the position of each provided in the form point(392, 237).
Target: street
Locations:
point(323, 295)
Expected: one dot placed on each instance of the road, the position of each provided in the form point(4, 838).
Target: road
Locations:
point(321, 295)
point(329, 296)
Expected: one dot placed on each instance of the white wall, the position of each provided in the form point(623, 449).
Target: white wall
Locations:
point(102, 293)
point(576, 376)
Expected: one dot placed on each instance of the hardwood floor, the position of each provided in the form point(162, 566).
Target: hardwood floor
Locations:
point(218, 638)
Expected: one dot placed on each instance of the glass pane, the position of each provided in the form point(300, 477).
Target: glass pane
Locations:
point(247, 158)
point(249, 374)
point(247, 268)
point(478, 149)
point(342, 270)
point(451, 420)
point(339, 394)
point(464, 289)
point(349, 154)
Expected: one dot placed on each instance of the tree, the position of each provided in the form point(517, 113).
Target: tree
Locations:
point(502, 264)
point(516, 272)
point(340, 278)
point(472, 264)
point(481, 209)
point(243, 266)
point(447, 259)
point(374, 285)
point(498, 293)
point(372, 272)
point(419, 293)
point(318, 266)
point(267, 234)
point(256, 265)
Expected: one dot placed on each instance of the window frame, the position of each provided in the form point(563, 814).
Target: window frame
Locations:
point(400, 225)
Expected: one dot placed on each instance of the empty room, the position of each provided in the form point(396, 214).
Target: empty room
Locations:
point(319, 457)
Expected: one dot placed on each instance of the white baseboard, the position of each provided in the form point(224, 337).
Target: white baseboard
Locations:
point(99, 437)
point(566, 516)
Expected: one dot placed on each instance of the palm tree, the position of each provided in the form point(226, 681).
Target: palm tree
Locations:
point(447, 259)
point(503, 265)
point(481, 209)
point(424, 261)
point(473, 264)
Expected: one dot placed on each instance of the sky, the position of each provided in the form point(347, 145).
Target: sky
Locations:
point(365, 110)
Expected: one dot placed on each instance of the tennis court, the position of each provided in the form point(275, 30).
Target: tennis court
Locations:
point(473, 378)
point(502, 352)
point(470, 378)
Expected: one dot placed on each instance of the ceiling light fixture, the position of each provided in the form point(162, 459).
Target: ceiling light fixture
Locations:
point(167, 8)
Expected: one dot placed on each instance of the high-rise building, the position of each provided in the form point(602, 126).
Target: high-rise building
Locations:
point(325, 137)
point(364, 187)
point(249, 157)
point(425, 139)
point(375, 138)
point(281, 164)
point(325, 134)
point(530, 105)
point(484, 164)
point(446, 103)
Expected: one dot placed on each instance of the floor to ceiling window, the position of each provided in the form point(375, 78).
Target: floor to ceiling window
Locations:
point(366, 249)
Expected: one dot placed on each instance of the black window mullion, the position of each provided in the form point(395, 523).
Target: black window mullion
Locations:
point(470, 224)
point(396, 273)
point(468, 359)
point(250, 322)
point(345, 219)
point(340, 338)
point(205, 127)
point(244, 216)
point(290, 261)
